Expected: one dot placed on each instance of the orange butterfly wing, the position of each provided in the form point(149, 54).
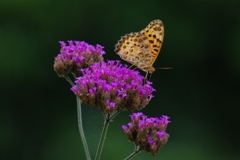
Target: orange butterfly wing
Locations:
point(155, 33)
point(142, 48)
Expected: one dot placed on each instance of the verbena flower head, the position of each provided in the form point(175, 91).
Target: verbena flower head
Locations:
point(75, 56)
point(111, 86)
point(147, 133)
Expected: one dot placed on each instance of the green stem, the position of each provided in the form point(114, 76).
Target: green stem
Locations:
point(115, 114)
point(70, 81)
point(136, 151)
point(103, 137)
point(80, 125)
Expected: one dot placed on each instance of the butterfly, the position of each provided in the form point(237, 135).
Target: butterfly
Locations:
point(142, 48)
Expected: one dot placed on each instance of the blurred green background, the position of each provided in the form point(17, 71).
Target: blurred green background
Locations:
point(201, 93)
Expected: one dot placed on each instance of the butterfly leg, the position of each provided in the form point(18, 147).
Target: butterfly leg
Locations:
point(145, 78)
point(150, 76)
point(146, 75)
point(130, 66)
point(135, 68)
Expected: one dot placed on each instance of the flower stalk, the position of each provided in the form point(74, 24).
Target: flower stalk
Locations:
point(70, 81)
point(103, 137)
point(80, 125)
point(136, 151)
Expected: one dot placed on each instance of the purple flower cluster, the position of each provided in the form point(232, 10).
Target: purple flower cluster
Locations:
point(75, 56)
point(147, 133)
point(111, 86)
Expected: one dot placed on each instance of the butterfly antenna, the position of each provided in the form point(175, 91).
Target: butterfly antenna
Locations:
point(164, 68)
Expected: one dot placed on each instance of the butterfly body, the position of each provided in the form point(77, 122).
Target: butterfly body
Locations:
point(142, 48)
